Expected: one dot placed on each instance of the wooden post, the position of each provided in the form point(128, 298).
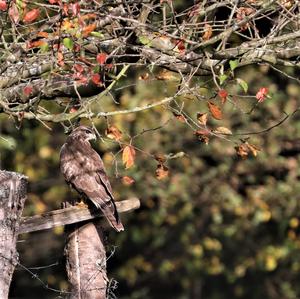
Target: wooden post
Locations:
point(85, 250)
point(13, 193)
point(86, 261)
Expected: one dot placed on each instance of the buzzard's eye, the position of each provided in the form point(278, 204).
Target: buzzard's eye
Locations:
point(88, 132)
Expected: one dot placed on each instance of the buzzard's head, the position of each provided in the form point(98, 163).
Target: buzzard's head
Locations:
point(84, 133)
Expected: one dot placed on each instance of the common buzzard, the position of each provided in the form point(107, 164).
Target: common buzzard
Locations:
point(83, 169)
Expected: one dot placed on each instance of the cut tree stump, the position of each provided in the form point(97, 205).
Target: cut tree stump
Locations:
point(13, 193)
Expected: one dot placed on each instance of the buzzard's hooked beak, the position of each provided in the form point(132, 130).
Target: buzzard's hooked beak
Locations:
point(92, 136)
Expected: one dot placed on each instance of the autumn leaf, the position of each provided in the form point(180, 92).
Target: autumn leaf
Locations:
point(28, 90)
point(242, 151)
point(113, 132)
point(222, 131)
point(60, 58)
point(162, 172)
point(36, 44)
point(160, 158)
point(180, 117)
point(88, 29)
point(78, 68)
point(14, 13)
point(101, 58)
point(203, 135)
point(128, 156)
point(127, 180)
point(253, 149)
point(202, 118)
point(3, 5)
point(245, 148)
point(31, 15)
point(207, 32)
point(43, 34)
point(223, 95)
point(144, 76)
point(96, 79)
point(262, 94)
point(215, 110)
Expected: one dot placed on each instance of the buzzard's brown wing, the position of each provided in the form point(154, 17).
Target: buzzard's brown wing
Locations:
point(85, 171)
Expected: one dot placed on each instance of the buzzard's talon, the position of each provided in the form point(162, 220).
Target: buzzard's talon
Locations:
point(81, 204)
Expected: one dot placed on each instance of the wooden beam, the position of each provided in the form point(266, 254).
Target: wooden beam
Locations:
point(70, 215)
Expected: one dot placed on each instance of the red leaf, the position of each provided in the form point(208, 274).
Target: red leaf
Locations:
point(60, 58)
point(215, 110)
point(3, 5)
point(127, 180)
point(53, 1)
point(31, 15)
point(28, 90)
point(96, 79)
point(101, 58)
point(223, 95)
point(262, 94)
point(75, 8)
point(78, 68)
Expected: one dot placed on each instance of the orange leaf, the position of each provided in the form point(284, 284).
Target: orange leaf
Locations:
point(203, 135)
point(161, 172)
point(127, 180)
point(215, 110)
point(31, 15)
point(88, 29)
point(207, 32)
point(113, 133)
point(223, 95)
point(128, 156)
point(43, 34)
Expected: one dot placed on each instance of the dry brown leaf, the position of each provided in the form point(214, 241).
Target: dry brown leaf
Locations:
point(144, 76)
point(253, 149)
point(128, 156)
point(127, 180)
point(215, 110)
point(207, 32)
point(242, 150)
point(113, 132)
point(222, 130)
point(203, 135)
point(180, 117)
point(161, 172)
point(160, 158)
point(202, 118)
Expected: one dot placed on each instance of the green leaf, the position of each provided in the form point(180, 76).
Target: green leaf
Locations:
point(97, 34)
point(44, 47)
point(222, 78)
point(144, 40)
point(233, 64)
point(243, 84)
point(68, 43)
point(7, 142)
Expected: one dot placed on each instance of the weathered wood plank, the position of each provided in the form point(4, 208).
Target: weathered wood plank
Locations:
point(70, 215)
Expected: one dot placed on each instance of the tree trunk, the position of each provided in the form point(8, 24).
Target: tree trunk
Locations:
point(13, 192)
point(86, 261)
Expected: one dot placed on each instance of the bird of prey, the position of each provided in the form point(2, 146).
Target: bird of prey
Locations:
point(83, 169)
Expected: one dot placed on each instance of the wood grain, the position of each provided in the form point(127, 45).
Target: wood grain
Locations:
point(70, 215)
